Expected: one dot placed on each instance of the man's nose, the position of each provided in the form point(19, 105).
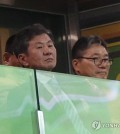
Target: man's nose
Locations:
point(47, 50)
point(104, 64)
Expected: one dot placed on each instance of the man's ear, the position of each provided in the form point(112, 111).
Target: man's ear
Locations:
point(6, 58)
point(22, 58)
point(75, 65)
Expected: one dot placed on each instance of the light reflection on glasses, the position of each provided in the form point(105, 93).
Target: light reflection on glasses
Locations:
point(99, 61)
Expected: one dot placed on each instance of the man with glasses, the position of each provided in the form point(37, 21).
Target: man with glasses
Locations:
point(90, 57)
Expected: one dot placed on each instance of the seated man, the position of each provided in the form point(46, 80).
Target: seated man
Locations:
point(35, 48)
point(90, 57)
point(9, 57)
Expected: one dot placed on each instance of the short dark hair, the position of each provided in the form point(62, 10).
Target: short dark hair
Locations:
point(86, 42)
point(26, 34)
point(9, 47)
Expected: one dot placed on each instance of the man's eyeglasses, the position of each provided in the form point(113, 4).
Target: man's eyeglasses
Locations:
point(99, 61)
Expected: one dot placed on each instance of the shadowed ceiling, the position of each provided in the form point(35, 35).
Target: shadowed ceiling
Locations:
point(59, 6)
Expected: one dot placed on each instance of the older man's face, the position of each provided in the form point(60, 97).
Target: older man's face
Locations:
point(41, 53)
point(94, 62)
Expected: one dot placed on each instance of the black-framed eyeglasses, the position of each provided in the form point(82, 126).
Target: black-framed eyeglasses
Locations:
point(99, 61)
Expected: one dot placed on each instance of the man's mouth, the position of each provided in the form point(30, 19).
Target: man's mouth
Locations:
point(49, 59)
point(102, 73)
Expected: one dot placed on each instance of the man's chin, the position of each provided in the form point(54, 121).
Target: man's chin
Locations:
point(101, 76)
point(49, 68)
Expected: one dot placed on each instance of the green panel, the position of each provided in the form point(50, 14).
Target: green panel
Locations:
point(114, 48)
point(114, 72)
point(17, 101)
point(79, 105)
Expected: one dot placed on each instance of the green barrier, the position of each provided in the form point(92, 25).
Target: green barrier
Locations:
point(17, 101)
point(70, 104)
point(79, 105)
